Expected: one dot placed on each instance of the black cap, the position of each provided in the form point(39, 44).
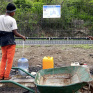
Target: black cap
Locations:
point(10, 8)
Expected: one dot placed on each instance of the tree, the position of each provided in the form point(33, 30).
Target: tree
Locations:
point(3, 4)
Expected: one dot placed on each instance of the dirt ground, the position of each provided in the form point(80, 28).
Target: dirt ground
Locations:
point(63, 55)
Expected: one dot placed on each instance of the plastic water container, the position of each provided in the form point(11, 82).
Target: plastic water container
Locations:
point(75, 64)
point(23, 63)
point(85, 65)
point(48, 62)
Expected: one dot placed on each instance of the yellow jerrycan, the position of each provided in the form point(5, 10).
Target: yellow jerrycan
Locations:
point(48, 62)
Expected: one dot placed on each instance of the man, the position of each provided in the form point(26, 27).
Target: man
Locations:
point(8, 28)
point(90, 37)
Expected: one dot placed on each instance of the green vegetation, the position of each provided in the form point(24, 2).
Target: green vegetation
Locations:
point(29, 16)
point(83, 46)
point(3, 4)
point(21, 46)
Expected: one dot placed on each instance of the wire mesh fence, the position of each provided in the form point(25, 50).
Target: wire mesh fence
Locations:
point(46, 30)
point(53, 42)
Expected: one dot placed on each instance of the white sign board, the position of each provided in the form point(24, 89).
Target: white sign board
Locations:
point(51, 11)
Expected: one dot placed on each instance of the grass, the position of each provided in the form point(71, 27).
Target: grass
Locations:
point(21, 46)
point(83, 46)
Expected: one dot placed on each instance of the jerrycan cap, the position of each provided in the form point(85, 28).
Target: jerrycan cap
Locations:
point(85, 63)
point(48, 57)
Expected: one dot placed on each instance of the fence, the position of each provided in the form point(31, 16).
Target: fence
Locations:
point(76, 29)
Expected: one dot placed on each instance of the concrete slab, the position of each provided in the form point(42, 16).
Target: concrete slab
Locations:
point(28, 82)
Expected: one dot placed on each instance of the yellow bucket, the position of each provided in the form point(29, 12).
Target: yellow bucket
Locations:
point(48, 62)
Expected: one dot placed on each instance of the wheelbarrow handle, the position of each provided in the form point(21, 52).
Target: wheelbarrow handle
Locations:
point(23, 71)
point(9, 81)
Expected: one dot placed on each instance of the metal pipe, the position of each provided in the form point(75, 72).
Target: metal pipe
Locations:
point(23, 71)
point(54, 38)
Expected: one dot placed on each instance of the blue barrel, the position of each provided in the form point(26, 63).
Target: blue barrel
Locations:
point(23, 63)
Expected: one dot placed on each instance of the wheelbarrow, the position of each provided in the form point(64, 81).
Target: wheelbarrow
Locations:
point(58, 80)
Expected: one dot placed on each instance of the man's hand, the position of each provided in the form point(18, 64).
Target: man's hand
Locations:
point(24, 38)
point(90, 37)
